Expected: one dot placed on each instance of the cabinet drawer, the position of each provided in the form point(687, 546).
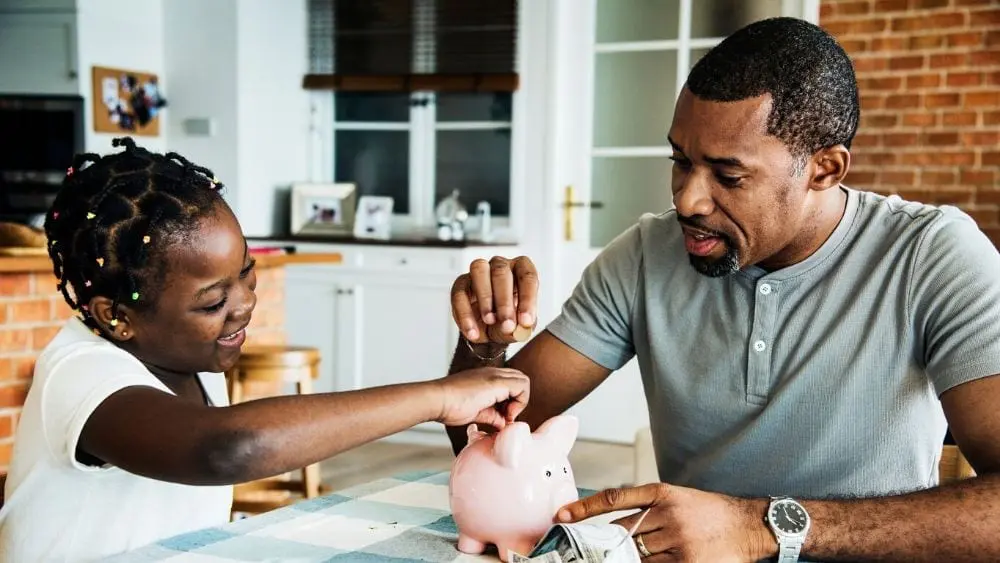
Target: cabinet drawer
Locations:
point(429, 262)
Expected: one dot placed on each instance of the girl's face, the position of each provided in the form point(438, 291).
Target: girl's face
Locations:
point(201, 313)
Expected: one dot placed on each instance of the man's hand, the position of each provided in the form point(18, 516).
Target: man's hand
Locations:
point(685, 524)
point(495, 298)
point(490, 396)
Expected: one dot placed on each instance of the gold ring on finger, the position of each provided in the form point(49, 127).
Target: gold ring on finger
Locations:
point(641, 546)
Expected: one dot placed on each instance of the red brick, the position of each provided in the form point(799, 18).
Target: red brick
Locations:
point(918, 42)
point(991, 159)
point(959, 196)
point(6, 426)
point(14, 340)
point(923, 81)
point(934, 22)
point(964, 79)
point(888, 43)
point(23, 368)
point(6, 369)
point(988, 197)
point(854, 45)
point(959, 118)
point(962, 3)
point(994, 235)
point(938, 177)
point(870, 64)
point(984, 18)
point(942, 139)
point(5, 453)
point(993, 38)
point(938, 158)
point(879, 121)
point(981, 138)
point(867, 26)
point(12, 395)
point(891, 5)
point(826, 10)
point(36, 310)
point(930, 4)
point(984, 217)
point(979, 177)
point(883, 83)
point(915, 195)
point(966, 39)
point(61, 310)
point(3, 314)
point(919, 120)
point(865, 140)
point(872, 102)
point(902, 101)
point(991, 118)
point(15, 284)
point(906, 63)
point(985, 58)
point(905, 177)
point(874, 159)
point(993, 78)
point(861, 178)
point(42, 335)
point(947, 60)
point(982, 99)
point(853, 8)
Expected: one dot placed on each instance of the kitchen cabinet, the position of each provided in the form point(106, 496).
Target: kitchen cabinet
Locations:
point(381, 317)
point(38, 53)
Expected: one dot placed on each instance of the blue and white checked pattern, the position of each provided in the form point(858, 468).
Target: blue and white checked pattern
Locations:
point(399, 520)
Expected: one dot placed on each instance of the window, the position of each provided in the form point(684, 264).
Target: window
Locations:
point(422, 101)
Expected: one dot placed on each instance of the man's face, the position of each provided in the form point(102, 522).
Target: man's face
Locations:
point(740, 197)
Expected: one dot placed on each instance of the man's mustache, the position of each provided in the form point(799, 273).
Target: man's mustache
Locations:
point(695, 223)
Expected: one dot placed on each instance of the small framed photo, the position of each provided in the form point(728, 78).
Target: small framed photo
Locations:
point(323, 209)
point(374, 217)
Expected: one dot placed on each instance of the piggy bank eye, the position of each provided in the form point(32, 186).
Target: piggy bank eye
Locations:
point(565, 471)
point(548, 473)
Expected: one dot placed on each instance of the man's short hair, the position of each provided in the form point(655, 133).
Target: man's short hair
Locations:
point(807, 73)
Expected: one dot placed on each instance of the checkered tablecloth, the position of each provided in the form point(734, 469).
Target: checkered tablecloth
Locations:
point(403, 519)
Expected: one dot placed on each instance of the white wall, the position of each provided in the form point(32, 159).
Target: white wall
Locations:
point(200, 60)
point(120, 34)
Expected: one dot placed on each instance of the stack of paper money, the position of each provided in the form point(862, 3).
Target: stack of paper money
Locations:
point(582, 543)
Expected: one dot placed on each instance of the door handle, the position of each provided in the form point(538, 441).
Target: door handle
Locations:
point(568, 205)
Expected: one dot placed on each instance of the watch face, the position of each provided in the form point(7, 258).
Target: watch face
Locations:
point(789, 517)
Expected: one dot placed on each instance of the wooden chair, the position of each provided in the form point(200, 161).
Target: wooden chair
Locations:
point(266, 370)
point(952, 467)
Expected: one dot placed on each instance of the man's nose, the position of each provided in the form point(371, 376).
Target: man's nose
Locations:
point(693, 196)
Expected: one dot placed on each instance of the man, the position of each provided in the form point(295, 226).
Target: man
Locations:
point(796, 337)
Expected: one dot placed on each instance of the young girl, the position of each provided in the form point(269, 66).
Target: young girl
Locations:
point(126, 436)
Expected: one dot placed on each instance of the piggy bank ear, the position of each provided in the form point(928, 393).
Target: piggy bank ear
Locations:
point(560, 431)
point(473, 434)
point(510, 443)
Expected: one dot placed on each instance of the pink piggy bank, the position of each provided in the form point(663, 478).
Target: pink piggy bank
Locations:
point(505, 489)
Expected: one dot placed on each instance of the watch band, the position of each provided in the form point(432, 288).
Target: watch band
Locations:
point(788, 551)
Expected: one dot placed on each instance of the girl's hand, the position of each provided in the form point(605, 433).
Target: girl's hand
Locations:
point(489, 395)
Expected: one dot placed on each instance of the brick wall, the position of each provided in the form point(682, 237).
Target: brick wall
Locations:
point(929, 75)
point(32, 311)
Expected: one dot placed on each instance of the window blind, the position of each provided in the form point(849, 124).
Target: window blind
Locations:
point(407, 45)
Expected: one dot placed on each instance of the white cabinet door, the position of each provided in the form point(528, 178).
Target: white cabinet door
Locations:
point(38, 54)
point(311, 313)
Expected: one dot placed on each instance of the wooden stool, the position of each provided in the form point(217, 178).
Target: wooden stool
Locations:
point(272, 367)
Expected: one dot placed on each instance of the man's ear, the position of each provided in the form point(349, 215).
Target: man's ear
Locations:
point(829, 167)
point(117, 326)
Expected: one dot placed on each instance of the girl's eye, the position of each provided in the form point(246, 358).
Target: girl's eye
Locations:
point(214, 308)
point(246, 271)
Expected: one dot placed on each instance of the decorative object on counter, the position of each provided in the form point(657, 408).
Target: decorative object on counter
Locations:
point(323, 209)
point(126, 100)
point(451, 216)
point(506, 488)
point(374, 217)
point(483, 213)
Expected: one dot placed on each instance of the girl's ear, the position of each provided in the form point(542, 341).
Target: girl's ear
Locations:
point(117, 327)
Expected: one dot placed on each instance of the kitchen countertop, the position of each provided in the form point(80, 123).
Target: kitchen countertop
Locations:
point(40, 262)
point(415, 239)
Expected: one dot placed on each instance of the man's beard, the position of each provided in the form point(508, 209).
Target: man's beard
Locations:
point(727, 264)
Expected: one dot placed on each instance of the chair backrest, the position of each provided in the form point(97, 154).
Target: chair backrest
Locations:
point(953, 466)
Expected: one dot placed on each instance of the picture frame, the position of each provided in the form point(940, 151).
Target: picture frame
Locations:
point(374, 217)
point(322, 208)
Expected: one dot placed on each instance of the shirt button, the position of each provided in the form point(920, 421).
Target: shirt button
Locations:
point(759, 346)
point(765, 289)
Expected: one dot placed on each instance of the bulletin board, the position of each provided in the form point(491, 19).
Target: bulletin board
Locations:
point(126, 102)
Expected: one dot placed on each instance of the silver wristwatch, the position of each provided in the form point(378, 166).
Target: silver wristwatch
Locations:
point(789, 522)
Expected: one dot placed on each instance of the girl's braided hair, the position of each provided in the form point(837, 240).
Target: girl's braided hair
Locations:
point(114, 217)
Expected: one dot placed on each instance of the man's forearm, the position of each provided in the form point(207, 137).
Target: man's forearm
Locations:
point(956, 522)
point(480, 355)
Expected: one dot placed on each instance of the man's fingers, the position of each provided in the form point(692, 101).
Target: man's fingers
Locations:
point(461, 308)
point(503, 293)
point(609, 500)
point(527, 291)
point(482, 289)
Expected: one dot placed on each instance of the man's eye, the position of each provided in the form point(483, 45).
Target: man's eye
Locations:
point(730, 181)
point(681, 162)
